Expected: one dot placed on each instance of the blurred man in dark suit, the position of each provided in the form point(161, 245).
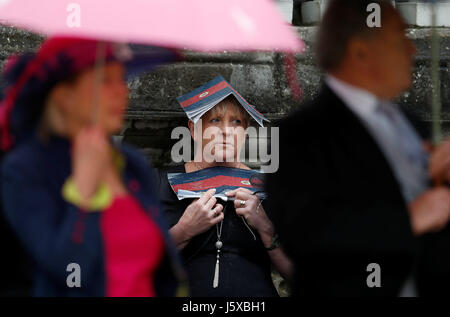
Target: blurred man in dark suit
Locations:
point(353, 193)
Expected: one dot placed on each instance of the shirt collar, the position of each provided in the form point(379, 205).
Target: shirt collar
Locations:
point(360, 101)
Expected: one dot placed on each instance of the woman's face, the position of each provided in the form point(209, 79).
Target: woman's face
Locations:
point(112, 99)
point(222, 134)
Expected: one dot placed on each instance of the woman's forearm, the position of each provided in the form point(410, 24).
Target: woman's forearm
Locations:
point(281, 262)
point(279, 259)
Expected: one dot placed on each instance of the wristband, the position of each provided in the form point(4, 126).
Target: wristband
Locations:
point(275, 243)
point(101, 200)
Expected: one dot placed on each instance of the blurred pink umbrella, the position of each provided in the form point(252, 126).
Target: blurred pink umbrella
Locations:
point(204, 25)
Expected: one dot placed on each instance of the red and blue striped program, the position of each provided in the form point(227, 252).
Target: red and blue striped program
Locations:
point(199, 101)
point(223, 179)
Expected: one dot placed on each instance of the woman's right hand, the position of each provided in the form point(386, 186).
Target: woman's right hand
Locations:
point(200, 215)
point(91, 158)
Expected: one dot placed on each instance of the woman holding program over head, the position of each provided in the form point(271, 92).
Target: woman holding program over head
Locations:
point(227, 248)
point(78, 202)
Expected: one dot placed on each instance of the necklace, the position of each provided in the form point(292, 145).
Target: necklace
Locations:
point(219, 243)
point(218, 247)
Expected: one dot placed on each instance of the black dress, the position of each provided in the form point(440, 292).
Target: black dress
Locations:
point(245, 267)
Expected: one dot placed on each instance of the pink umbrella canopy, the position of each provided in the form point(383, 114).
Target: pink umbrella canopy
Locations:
point(203, 25)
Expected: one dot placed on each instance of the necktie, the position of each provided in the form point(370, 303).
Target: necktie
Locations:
point(403, 135)
point(403, 148)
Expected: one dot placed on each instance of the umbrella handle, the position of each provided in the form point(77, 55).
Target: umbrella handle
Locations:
point(99, 69)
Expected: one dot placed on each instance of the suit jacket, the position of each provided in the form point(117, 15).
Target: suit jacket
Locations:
point(55, 233)
point(339, 206)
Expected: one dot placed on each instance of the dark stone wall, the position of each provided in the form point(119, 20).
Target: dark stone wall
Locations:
point(259, 77)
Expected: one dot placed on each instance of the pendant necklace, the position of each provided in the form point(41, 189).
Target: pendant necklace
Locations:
point(218, 247)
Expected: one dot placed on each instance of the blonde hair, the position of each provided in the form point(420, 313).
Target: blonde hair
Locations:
point(222, 107)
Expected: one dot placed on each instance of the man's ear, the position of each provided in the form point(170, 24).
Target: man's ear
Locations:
point(358, 51)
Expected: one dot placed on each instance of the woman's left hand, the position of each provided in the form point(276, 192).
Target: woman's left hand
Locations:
point(248, 206)
point(258, 220)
